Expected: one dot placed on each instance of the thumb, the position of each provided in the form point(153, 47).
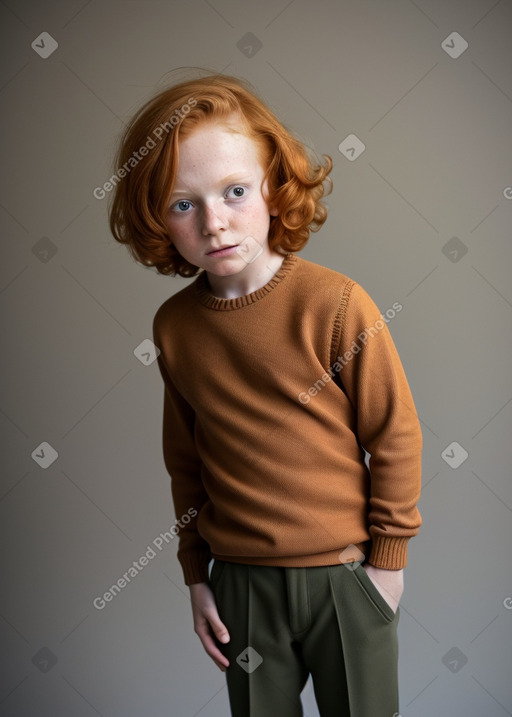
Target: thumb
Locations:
point(220, 630)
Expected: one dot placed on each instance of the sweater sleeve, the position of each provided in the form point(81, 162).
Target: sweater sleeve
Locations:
point(387, 427)
point(184, 466)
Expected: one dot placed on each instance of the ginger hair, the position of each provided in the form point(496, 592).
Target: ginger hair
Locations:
point(143, 186)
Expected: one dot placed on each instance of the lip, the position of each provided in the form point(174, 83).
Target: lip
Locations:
point(223, 251)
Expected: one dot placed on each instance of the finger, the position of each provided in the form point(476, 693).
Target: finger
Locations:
point(211, 615)
point(213, 651)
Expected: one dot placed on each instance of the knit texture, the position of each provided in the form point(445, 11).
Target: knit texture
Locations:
point(270, 402)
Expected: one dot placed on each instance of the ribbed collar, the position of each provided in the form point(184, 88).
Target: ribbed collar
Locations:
point(215, 302)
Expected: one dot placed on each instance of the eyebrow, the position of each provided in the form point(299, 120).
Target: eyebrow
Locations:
point(227, 180)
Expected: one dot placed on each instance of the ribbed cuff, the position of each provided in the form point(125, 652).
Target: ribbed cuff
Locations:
point(388, 553)
point(195, 567)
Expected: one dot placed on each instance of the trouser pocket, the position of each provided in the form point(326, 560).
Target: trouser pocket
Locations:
point(372, 593)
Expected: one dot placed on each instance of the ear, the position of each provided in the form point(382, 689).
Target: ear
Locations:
point(273, 212)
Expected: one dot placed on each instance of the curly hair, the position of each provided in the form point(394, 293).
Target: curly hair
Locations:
point(147, 159)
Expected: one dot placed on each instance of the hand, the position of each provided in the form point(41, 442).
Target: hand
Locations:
point(207, 622)
point(390, 584)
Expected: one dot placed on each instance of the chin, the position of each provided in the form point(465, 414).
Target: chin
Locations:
point(235, 266)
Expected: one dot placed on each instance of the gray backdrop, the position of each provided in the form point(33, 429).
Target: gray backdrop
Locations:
point(421, 216)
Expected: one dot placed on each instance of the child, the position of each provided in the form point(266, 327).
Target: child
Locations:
point(280, 377)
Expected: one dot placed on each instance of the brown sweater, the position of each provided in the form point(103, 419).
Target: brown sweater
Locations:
point(269, 401)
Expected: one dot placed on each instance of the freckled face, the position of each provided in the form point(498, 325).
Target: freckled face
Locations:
point(218, 198)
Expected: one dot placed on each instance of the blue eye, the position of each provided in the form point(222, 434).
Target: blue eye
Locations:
point(182, 206)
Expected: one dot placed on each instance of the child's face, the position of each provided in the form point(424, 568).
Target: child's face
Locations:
point(218, 198)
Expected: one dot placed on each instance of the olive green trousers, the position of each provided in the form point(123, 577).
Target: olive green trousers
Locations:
point(287, 623)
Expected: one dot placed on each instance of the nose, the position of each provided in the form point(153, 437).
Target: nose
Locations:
point(211, 220)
